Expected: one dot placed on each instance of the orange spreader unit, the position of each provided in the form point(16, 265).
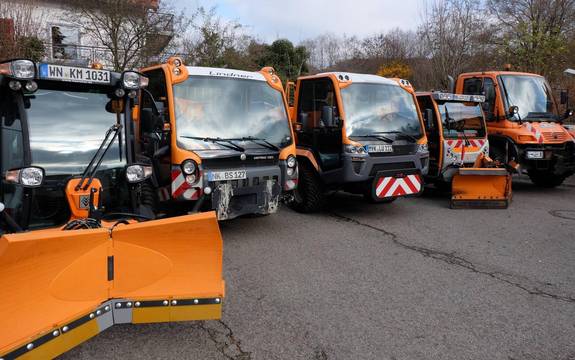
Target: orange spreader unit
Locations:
point(60, 288)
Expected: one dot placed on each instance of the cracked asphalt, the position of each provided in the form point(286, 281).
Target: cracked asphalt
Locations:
point(407, 280)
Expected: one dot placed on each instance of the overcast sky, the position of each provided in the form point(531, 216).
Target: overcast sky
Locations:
point(302, 19)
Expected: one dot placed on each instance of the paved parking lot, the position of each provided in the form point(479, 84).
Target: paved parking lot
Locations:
point(408, 280)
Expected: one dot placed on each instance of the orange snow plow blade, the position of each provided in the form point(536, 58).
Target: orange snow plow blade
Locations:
point(63, 287)
point(485, 186)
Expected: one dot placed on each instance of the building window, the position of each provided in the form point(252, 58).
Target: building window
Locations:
point(65, 41)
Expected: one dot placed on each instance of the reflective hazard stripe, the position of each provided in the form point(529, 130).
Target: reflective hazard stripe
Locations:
point(180, 188)
point(535, 131)
point(395, 187)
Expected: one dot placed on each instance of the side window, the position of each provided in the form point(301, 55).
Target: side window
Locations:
point(482, 86)
point(473, 86)
point(317, 104)
point(489, 104)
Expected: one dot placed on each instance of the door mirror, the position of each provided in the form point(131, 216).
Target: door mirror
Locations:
point(327, 116)
point(290, 93)
point(428, 117)
point(564, 97)
point(513, 111)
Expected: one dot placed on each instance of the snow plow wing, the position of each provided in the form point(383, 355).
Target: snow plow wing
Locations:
point(61, 288)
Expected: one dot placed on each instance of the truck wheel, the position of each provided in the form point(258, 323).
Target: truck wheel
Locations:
point(498, 154)
point(309, 196)
point(545, 179)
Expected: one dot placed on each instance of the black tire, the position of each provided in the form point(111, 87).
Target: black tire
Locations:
point(309, 196)
point(545, 179)
point(442, 186)
point(497, 153)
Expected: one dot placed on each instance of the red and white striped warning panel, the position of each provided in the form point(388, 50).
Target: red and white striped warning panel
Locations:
point(455, 144)
point(394, 187)
point(535, 131)
point(180, 188)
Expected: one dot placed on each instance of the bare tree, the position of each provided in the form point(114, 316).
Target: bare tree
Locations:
point(534, 34)
point(450, 31)
point(133, 32)
point(20, 29)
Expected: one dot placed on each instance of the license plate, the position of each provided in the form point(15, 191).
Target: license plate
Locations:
point(74, 74)
point(535, 155)
point(379, 148)
point(227, 175)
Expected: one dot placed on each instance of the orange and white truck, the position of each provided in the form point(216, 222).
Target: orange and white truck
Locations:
point(524, 123)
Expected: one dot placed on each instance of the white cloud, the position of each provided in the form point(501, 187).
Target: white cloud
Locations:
point(301, 19)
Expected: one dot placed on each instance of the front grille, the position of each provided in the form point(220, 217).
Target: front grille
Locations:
point(357, 166)
point(554, 136)
point(408, 165)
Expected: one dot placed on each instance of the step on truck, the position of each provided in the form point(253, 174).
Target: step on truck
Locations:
point(458, 151)
point(219, 139)
point(359, 133)
point(524, 123)
point(80, 249)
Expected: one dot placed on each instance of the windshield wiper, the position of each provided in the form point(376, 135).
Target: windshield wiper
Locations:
point(227, 143)
point(263, 142)
point(398, 133)
point(379, 137)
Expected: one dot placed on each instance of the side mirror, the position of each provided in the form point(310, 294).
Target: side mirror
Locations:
point(327, 116)
point(290, 93)
point(428, 117)
point(513, 111)
point(564, 97)
point(115, 106)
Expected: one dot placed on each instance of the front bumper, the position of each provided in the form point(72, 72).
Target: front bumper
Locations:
point(366, 168)
point(558, 159)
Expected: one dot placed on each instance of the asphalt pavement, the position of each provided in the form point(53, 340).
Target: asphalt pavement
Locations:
point(408, 280)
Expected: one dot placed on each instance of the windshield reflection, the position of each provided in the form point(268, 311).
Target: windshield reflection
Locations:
point(464, 119)
point(531, 94)
point(67, 128)
point(210, 107)
point(377, 108)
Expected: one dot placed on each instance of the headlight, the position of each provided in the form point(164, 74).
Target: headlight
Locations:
point(290, 171)
point(19, 69)
point(422, 148)
point(291, 161)
point(138, 173)
point(189, 167)
point(352, 149)
point(132, 80)
point(28, 177)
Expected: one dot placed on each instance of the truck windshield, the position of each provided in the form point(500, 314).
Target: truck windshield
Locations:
point(531, 94)
point(66, 129)
point(459, 118)
point(211, 107)
point(379, 108)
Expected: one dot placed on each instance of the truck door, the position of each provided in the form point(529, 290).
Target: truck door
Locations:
point(483, 86)
point(319, 114)
point(432, 129)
